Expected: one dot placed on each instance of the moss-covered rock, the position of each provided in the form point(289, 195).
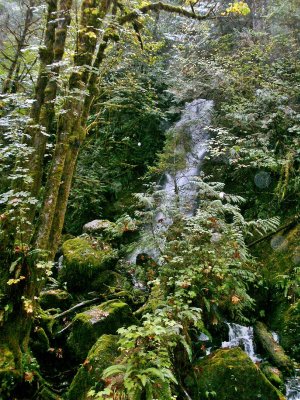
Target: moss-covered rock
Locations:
point(290, 332)
point(274, 375)
point(39, 342)
point(101, 356)
point(229, 374)
point(111, 281)
point(89, 325)
point(273, 350)
point(55, 298)
point(84, 259)
point(279, 260)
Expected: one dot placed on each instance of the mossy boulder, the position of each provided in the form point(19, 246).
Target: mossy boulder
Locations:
point(101, 356)
point(111, 281)
point(290, 332)
point(272, 349)
point(229, 374)
point(39, 342)
point(84, 259)
point(55, 298)
point(89, 325)
point(273, 374)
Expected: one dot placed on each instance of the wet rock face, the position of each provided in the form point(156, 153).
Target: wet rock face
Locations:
point(229, 374)
point(84, 259)
point(89, 325)
point(101, 356)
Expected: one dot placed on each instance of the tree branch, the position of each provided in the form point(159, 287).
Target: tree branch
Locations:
point(159, 6)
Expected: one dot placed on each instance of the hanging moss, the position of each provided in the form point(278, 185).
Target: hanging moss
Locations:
point(101, 356)
point(84, 260)
point(229, 374)
point(89, 325)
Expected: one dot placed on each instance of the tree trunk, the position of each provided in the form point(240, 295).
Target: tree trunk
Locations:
point(9, 84)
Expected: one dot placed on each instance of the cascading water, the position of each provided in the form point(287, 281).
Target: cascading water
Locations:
point(178, 187)
point(293, 387)
point(243, 336)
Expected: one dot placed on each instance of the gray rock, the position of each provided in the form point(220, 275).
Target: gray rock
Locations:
point(97, 226)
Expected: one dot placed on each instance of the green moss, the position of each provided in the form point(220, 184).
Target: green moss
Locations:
point(9, 375)
point(274, 375)
point(89, 325)
point(84, 259)
point(111, 281)
point(290, 333)
point(46, 394)
point(101, 356)
point(229, 374)
point(273, 350)
point(55, 298)
point(39, 341)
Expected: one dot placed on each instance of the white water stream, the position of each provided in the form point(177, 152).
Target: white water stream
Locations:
point(243, 336)
point(195, 118)
point(178, 188)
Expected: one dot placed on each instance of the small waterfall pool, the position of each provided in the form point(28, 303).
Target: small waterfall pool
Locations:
point(242, 336)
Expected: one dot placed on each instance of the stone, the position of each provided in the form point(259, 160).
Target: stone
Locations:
point(100, 357)
point(229, 374)
point(55, 298)
point(290, 332)
point(111, 281)
point(89, 325)
point(273, 350)
point(84, 259)
point(97, 226)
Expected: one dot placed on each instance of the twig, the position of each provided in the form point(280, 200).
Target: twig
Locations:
point(79, 305)
point(64, 329)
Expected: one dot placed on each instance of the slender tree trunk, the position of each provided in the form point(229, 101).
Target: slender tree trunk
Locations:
point(43, 114)
point(9, 84)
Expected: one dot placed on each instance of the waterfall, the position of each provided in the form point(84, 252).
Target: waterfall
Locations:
point(178, 187)
point(242, 336)
point(195, 118)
